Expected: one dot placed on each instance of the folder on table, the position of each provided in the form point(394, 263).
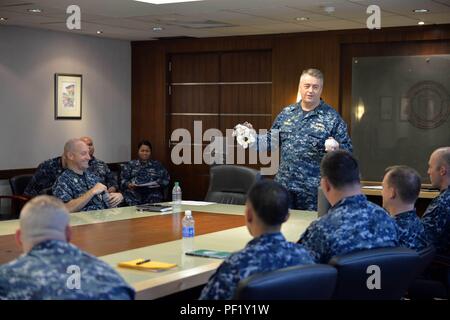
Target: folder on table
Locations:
point(209, 254)
point(140, 264)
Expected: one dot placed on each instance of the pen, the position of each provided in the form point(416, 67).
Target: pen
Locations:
point(143, 261)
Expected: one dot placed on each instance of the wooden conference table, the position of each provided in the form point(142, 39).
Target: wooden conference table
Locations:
point(122, 234)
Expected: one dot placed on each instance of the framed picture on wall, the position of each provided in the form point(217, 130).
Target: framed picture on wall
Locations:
point(68, 93)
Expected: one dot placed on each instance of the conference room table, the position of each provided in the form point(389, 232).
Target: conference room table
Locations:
point(123, 234)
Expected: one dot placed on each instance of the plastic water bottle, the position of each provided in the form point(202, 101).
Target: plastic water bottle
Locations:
point(188, 231)
point(176, 197)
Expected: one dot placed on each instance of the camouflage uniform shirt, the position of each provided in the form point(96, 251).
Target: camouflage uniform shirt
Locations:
point(266, 253)
point(71, 185)
point(352, 224)
point(302, 137)
point(411, 233)
point(44, 177)
point(100, 168)
point(436, 221)
point(44, 274)
point(140, 172)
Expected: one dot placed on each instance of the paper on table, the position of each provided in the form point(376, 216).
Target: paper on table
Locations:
point(195, 203)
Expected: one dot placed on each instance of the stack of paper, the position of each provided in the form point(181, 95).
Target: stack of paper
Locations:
point(150, 265)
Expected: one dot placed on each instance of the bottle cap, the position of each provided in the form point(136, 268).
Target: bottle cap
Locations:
point(176, 184)
point(188, 213)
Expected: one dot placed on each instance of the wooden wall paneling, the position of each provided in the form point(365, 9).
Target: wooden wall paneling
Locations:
point(199, 67)
point(149, 98)
point(194, 99)
point(246, 98)
point(246, 66)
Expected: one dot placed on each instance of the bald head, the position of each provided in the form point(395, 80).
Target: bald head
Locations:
point(76, 154)
point(439, 168)
point(43, 218)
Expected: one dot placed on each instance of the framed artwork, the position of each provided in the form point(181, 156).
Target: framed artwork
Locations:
point(68, 93)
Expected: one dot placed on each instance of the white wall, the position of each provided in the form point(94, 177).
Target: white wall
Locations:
point(29, 58)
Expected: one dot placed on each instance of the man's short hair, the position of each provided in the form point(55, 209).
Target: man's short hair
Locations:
point(443, 155)
point(340, 168)
point(316, 73)
point(43, 218)
point(406, 182)
point(270, 200)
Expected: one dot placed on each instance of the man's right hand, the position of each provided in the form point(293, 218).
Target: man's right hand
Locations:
point(98, 188)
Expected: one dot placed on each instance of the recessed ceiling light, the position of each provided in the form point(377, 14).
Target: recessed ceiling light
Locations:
point(3, 19)
point(165, 1)
point(35, 10)
point(302, 18)
point(420, 23)
point(421, 10)
point(99, 31)
point(157, 28)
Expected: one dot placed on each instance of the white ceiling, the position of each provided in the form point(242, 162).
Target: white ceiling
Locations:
point(130, 20)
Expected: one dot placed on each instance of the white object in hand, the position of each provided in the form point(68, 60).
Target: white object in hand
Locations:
point(331, 144)
point(244, 135)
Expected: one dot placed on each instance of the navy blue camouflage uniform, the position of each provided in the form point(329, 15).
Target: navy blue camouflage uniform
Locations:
point(411, 233)
point(101, 169)
point(436, 221)
point(44, 177)
point(43, 274)
point(352, 224)
point(302, 137)
point(71, 185)
point(266, 253)
point(140, 172)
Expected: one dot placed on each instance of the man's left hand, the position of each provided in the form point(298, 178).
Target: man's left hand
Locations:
point(114, 199)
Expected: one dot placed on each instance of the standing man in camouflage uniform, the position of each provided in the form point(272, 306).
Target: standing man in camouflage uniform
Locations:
point(45, 176)
point(267, 208)
point(44, 271)
point(100, 168)
point(142, 181)
point(303, 128)
point(80, 189)
point(401, 187)
point(436, 218)
point(352, 223)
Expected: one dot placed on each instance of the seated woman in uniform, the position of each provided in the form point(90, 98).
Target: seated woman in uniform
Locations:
point(143, 180)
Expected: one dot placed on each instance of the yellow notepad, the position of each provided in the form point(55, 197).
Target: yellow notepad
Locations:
point(151, 265)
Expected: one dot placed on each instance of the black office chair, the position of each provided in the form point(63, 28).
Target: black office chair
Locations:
point(16, 204)
point(397, 270)
point(229, 184)
point(19, 183)
point(305, 282)
point(433, 279)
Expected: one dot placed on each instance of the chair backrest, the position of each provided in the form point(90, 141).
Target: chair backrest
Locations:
point(19, 183)
point(305, 282)
point(426, 257)
point(230, 183)
point(373, 274)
